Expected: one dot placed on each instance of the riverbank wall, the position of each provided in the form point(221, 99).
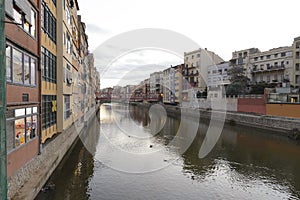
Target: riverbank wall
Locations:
point(29, 180)
point(285, 126)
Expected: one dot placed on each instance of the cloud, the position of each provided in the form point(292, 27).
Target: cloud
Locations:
point(95, 29)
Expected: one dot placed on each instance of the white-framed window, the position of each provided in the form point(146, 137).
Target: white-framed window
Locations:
point(67, 108)
point(22, 125)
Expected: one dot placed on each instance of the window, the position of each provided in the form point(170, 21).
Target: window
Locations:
point(297, 55)
point(268, 78)
point(275, 77)
point(48, 111)
point(17, 66)
point(283, 54)
point(268, 56)
point(68, 43)
point(256, 58)
point(8, 63)
point(297, 67)
point(21, 67)
point(67, 110)
point(68, 16)
point(198, 55)
point(48, 66)
point(25, 16)
point(240, 61)
point(48, 23)
point(32, 72)
point(261, 57)
point(21, 125)
point(26, 70)
point(261, 78)
point(68, 75)
point(276, 55)
point(297, 79)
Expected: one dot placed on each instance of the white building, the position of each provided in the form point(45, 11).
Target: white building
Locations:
point(217, 79)
point(273, 66)
point(296, 61)
point(195, 70)
point(155, 82)
point(168, 86)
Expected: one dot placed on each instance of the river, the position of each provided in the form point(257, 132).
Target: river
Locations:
point(125, 155)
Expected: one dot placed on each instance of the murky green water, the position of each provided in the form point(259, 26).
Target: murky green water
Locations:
point(121, 158)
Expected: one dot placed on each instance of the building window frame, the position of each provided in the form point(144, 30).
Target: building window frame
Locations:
point(48, 65)
point(15, 58)
point(48, 111)
point(22, 124)
point(67, 107)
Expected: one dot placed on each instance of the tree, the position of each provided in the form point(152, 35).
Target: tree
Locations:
point(259, 88)
point(238, 81)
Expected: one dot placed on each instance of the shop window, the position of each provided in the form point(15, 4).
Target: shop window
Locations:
point(21, 126)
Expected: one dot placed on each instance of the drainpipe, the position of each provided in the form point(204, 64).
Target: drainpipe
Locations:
point(3, 154)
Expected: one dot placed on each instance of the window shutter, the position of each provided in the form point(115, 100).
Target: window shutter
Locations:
point(9, 7)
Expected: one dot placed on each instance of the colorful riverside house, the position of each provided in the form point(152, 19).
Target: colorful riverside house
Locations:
point(22, 30)
point(66, 70)
point(48, 69)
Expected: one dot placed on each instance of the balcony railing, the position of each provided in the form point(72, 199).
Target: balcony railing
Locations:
point(270, 68)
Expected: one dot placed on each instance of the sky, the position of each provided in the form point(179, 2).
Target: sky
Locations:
point(221, 26)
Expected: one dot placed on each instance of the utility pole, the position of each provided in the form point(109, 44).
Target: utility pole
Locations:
point(3, 155)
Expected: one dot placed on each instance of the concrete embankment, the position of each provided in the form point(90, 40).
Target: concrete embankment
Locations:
point(29, 180)
point(289, 127)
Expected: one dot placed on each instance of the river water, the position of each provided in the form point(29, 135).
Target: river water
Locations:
point(125, 155)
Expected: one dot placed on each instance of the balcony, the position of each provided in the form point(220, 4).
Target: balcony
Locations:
point(270, 68)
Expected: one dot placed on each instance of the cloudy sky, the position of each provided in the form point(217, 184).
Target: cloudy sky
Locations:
point(222, 26)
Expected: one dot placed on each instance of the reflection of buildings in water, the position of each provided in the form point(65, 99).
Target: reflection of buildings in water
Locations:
point(244, 155)
point(140, 115)
point(77, 173)
point(105, 113)
point(90, 137)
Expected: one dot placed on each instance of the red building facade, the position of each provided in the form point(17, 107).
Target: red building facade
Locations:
point(22, 79)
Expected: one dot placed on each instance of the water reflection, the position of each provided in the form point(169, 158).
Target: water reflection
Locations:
point(71, 179)
point(245, 163)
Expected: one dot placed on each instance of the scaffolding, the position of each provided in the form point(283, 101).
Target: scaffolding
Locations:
point(3, 153)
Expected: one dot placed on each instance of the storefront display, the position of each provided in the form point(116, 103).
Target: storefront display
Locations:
point(24, 122)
